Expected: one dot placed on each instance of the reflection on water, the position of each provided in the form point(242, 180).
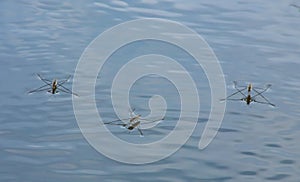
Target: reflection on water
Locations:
point(254, 41)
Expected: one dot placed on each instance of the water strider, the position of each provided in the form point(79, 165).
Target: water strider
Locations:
point(248, 98)
point(133, 122)
point(53, 87)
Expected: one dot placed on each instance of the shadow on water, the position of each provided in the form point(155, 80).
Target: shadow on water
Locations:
point(247, 114)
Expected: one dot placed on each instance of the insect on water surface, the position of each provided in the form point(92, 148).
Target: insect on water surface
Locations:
point(133, 122)
point(248, 98)
point(53, 87)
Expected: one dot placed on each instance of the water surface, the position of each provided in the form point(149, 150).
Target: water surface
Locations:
point(255, 42)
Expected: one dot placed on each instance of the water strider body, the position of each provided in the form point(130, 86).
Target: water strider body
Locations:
point(249, 98)
point(54, 86)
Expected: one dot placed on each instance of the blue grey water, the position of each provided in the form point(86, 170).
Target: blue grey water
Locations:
point(255, 41)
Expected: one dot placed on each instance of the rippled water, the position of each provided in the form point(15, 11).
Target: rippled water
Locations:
point(255, 41)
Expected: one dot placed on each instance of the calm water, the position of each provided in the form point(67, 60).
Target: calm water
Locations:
point(255, 41)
